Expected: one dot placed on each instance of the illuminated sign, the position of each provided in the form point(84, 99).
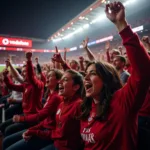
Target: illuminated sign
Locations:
point(15, 42)
point(140, 28)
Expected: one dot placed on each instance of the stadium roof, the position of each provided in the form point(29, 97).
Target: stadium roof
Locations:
point(92, 14)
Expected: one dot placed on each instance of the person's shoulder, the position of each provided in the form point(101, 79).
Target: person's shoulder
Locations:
point(78, 101)
point(125, 73)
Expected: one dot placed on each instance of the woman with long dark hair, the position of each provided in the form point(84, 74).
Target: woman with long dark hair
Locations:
point(67, 136)
point(109, 111)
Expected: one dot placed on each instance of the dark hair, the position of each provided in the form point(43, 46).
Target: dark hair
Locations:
point(58, 75)
point(78, 80)
point(39, 70)
point(111, 83)
point(122, 58)
point(82, 73)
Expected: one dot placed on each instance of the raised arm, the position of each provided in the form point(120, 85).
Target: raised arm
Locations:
point(31, 77)
point(81, 60)
point(58, 58)
point(65, 54)
point(14, 72)
point(107, 48)
point(10, 85)
point(39, 71)
point(135, 89)
point(88, 51)
point(135, 49)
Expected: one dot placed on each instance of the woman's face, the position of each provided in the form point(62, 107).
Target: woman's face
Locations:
point(73, 65)
point(67, 88)
point(93, 83)
point(51, 80)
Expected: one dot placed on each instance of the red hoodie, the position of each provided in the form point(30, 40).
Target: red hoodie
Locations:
point(49, 108)
point(44, 129)
point(145, 110)
point(119, 131)
point(66, 136)
point(32, 91)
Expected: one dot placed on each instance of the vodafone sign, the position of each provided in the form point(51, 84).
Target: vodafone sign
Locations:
point(15, 42)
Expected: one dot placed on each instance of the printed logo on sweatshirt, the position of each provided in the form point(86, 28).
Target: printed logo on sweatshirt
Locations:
point(87, 136)
point(90, 119)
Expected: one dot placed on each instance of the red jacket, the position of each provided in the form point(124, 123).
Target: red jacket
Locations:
point(66, 136)
point(145, 110)
point(32, 91)
point(44, 129)
point(119, 131)
point(49, 109)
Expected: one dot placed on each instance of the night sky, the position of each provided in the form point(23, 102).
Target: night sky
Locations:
point(37, 18)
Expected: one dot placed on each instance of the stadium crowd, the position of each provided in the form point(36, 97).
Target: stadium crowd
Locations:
point(98, 102)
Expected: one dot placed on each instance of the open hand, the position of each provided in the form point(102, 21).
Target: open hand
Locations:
point(115, 12)
point(85, 43)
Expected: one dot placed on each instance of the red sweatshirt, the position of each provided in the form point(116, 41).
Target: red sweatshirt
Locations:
point(145, 110)
point(65, 66)
point(66, 136)
point(43, 78)
point(119, 131)
point(49, 108)
point(44, 129)
point(32, 91)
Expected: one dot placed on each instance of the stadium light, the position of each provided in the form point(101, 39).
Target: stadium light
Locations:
point(91, 43)
point(128, 2)
point(73, 49)
point(104, 39)
point(140, 28)
point(86, 26)
point(56, 40)
point(81, 46)
point(67, 36)
point(100, 18)
point(78, 30)
point(99, 41)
